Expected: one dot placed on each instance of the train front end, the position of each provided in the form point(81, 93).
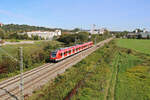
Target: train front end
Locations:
point(53, 56)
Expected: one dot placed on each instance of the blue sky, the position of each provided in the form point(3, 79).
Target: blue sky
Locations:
point(112, 14)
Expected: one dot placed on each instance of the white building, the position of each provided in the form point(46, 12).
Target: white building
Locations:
point(98, 31)
point(102, 30)
point(47, 35)
point(1, 24)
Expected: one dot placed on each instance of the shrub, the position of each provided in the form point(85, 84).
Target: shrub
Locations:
point(129, 51)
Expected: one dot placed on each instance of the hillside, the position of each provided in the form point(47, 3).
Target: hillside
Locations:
point(9, 31)
point(12, 28)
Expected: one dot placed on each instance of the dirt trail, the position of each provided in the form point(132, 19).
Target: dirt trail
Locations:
point(114, 85)
point(111, 83)
point(73, 91)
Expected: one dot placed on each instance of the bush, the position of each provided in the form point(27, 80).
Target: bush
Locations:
point(129, 51)
point(9, 64)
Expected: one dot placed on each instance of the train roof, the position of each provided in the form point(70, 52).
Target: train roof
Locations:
point(71, 47)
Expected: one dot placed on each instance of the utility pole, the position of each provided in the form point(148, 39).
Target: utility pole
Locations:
point(21, 75)
point(90, 37)
point(75, 40)
point(95, 40)
point(93, 29)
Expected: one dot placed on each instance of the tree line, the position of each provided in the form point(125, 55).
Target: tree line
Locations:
point(12, 31)
point(81, 37)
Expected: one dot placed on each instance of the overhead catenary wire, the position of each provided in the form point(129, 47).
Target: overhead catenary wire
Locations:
point(9, 55)
point(21, 70)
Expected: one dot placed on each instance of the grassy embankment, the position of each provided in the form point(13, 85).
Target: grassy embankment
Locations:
point(128, 78)
point(28, 48)
point(133, 78)
point(133, 71)
point(63, 84)
point(34, 55)
point(114, 73)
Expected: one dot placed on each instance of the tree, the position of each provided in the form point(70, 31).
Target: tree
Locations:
point(25, 36)
point(74, 38)
point(10, 29)
point(106, 32)
point(148, 36)
point(36, 37)
point(2, 35)
point(76, 30)
point(125, 33)
point(83, 36)
point(138, 30)
point(139, 36)
point(13, 36)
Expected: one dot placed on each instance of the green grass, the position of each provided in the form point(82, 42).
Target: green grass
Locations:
point(119, 75)
point(113, 77)
point(95, 82)
point(129, 77)
point(133, 79)
point(142, 46)
point(27, 48)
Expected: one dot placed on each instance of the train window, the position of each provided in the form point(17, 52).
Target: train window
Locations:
point(53, 54)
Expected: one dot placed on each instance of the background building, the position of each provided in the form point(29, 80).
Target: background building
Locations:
point(139, 34)
point(1, 24)
point(97, 31)
point(47, 35)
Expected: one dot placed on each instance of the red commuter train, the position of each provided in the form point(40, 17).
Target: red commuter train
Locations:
point(62, 53)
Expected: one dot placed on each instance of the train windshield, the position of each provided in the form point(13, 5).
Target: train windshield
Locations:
point(53, 54)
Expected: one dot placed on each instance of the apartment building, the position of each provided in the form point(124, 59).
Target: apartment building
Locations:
point(47, 35)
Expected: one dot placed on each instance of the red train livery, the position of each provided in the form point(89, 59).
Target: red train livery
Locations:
point(68, 51)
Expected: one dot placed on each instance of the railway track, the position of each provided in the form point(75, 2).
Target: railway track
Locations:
point(35, 78)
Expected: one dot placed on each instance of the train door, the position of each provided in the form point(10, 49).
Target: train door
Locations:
point(71, 51)
point(67, 53)
point(62, 55)
point(75, 50)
